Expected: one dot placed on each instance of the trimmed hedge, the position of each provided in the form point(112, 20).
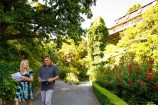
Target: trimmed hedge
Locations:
point(105, 97)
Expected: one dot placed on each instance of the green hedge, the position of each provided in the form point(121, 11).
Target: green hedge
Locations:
point(105, 97)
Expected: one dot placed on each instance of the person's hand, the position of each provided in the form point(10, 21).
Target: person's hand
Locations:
point(23, 77)
point(39, 80)
point(50, 79)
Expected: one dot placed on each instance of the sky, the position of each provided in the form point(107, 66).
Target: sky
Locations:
point(110, 10)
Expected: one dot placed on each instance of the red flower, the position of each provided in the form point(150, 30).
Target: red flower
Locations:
point(137, 71)
point(139, 82)
point(129, 83)
point(130, 68)
point(150, 69)
point(130, 71)
point(151, 61)
point(118, 80)
point(114, 69)
point(155, 86)
point(144, 56)
point(147, 74)
point(150, 76)
point(130, 65)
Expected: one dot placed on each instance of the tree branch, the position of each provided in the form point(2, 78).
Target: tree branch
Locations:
point(22, 36)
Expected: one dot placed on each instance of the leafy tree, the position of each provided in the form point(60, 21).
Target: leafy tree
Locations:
point(133, 8)
point(72, 58)
point(97, 35)
point(29, 19)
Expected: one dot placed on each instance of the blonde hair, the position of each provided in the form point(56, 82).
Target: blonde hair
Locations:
point(22, 63)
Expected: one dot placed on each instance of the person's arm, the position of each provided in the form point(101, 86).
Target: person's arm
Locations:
point(55, 74)
point(26, 78)
point(53, 79)
point(39, 79)
point(30, 78)
point(39, 75)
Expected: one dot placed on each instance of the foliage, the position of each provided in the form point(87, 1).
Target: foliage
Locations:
point(130, 68)
point(143, 30)
point(7, 84)
point(11, 53)
point(134, 79)
point(97, 35)
point(131, 77)
point(105, 97)
point(63, 70)
point(30, 19)
point(72, 58)
point(133, 8)
point(71, 78)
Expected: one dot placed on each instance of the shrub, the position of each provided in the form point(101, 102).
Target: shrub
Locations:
point(83, 75)
point(71, 78)
point(135, 82)
point(7, 84)
point(62, 71)
point(105, 97)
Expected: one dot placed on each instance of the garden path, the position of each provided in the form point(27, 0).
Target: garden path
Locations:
point(65, 94)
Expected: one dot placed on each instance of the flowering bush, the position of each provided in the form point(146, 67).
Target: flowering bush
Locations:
point(135, 82)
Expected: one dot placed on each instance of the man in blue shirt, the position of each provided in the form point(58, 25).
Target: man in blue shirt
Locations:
point(47, 75)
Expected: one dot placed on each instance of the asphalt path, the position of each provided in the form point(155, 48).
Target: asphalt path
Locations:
point(65, 94)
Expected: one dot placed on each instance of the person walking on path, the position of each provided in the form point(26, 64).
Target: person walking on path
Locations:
point(24, 89)
point(47, 75)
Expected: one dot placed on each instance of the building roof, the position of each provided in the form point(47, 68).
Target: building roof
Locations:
point(133, 14)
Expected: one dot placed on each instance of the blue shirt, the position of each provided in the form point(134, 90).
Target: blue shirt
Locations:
point(46, 73)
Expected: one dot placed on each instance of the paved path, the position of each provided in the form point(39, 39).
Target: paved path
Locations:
point(65, 94)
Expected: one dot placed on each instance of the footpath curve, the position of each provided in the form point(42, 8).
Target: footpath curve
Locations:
point(65, 94)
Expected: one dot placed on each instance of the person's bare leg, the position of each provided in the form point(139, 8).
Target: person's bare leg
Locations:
point(29, 102)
